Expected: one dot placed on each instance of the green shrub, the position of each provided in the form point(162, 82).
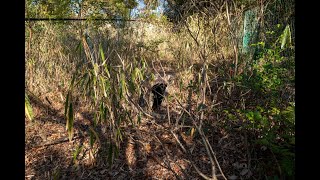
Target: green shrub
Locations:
point(272, 70)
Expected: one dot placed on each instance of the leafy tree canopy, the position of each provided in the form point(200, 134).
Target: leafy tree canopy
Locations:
point(75, 8)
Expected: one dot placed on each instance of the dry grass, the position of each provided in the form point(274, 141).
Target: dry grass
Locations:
point(50, 64)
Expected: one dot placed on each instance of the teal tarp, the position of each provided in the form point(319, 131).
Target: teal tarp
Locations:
point(249, 29)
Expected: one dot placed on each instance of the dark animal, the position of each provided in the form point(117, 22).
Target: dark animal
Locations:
point(158, 91)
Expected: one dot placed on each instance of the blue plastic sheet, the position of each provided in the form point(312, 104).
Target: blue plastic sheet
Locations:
point(249, 30)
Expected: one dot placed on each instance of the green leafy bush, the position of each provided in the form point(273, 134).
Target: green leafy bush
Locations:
point(273, 118)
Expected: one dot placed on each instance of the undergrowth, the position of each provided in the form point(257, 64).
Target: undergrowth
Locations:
point(269, 114)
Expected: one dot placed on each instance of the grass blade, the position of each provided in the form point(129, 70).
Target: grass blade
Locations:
point(28, 108)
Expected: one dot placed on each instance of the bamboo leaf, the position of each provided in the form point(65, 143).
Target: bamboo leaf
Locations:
point(96, 69)
point(70, 121)
point(152, 77)
point(143, 63)
point(28, 108)
point(88, 82)
point(135, 74)
point(116, 151)
point(123, 86)
point(66, 105)
point(132, 87)
point(139, 118)
point(94, 88)
point(140, 75)
point(29, 116)
point(77, 152)
point(102, 81)
point(66, 108)
point(107, 71)
point(101, 52)
point(79, 46)
point(107, 86)
point(87, 50)
point(92, 138)
point(286, 37)
point(119, 135)
point(84, 79)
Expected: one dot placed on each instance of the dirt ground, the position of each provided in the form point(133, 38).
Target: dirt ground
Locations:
point(148, 151)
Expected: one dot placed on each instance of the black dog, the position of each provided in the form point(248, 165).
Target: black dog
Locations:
point(158, 94)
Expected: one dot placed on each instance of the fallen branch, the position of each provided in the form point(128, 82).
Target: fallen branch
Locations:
point(58, 141)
